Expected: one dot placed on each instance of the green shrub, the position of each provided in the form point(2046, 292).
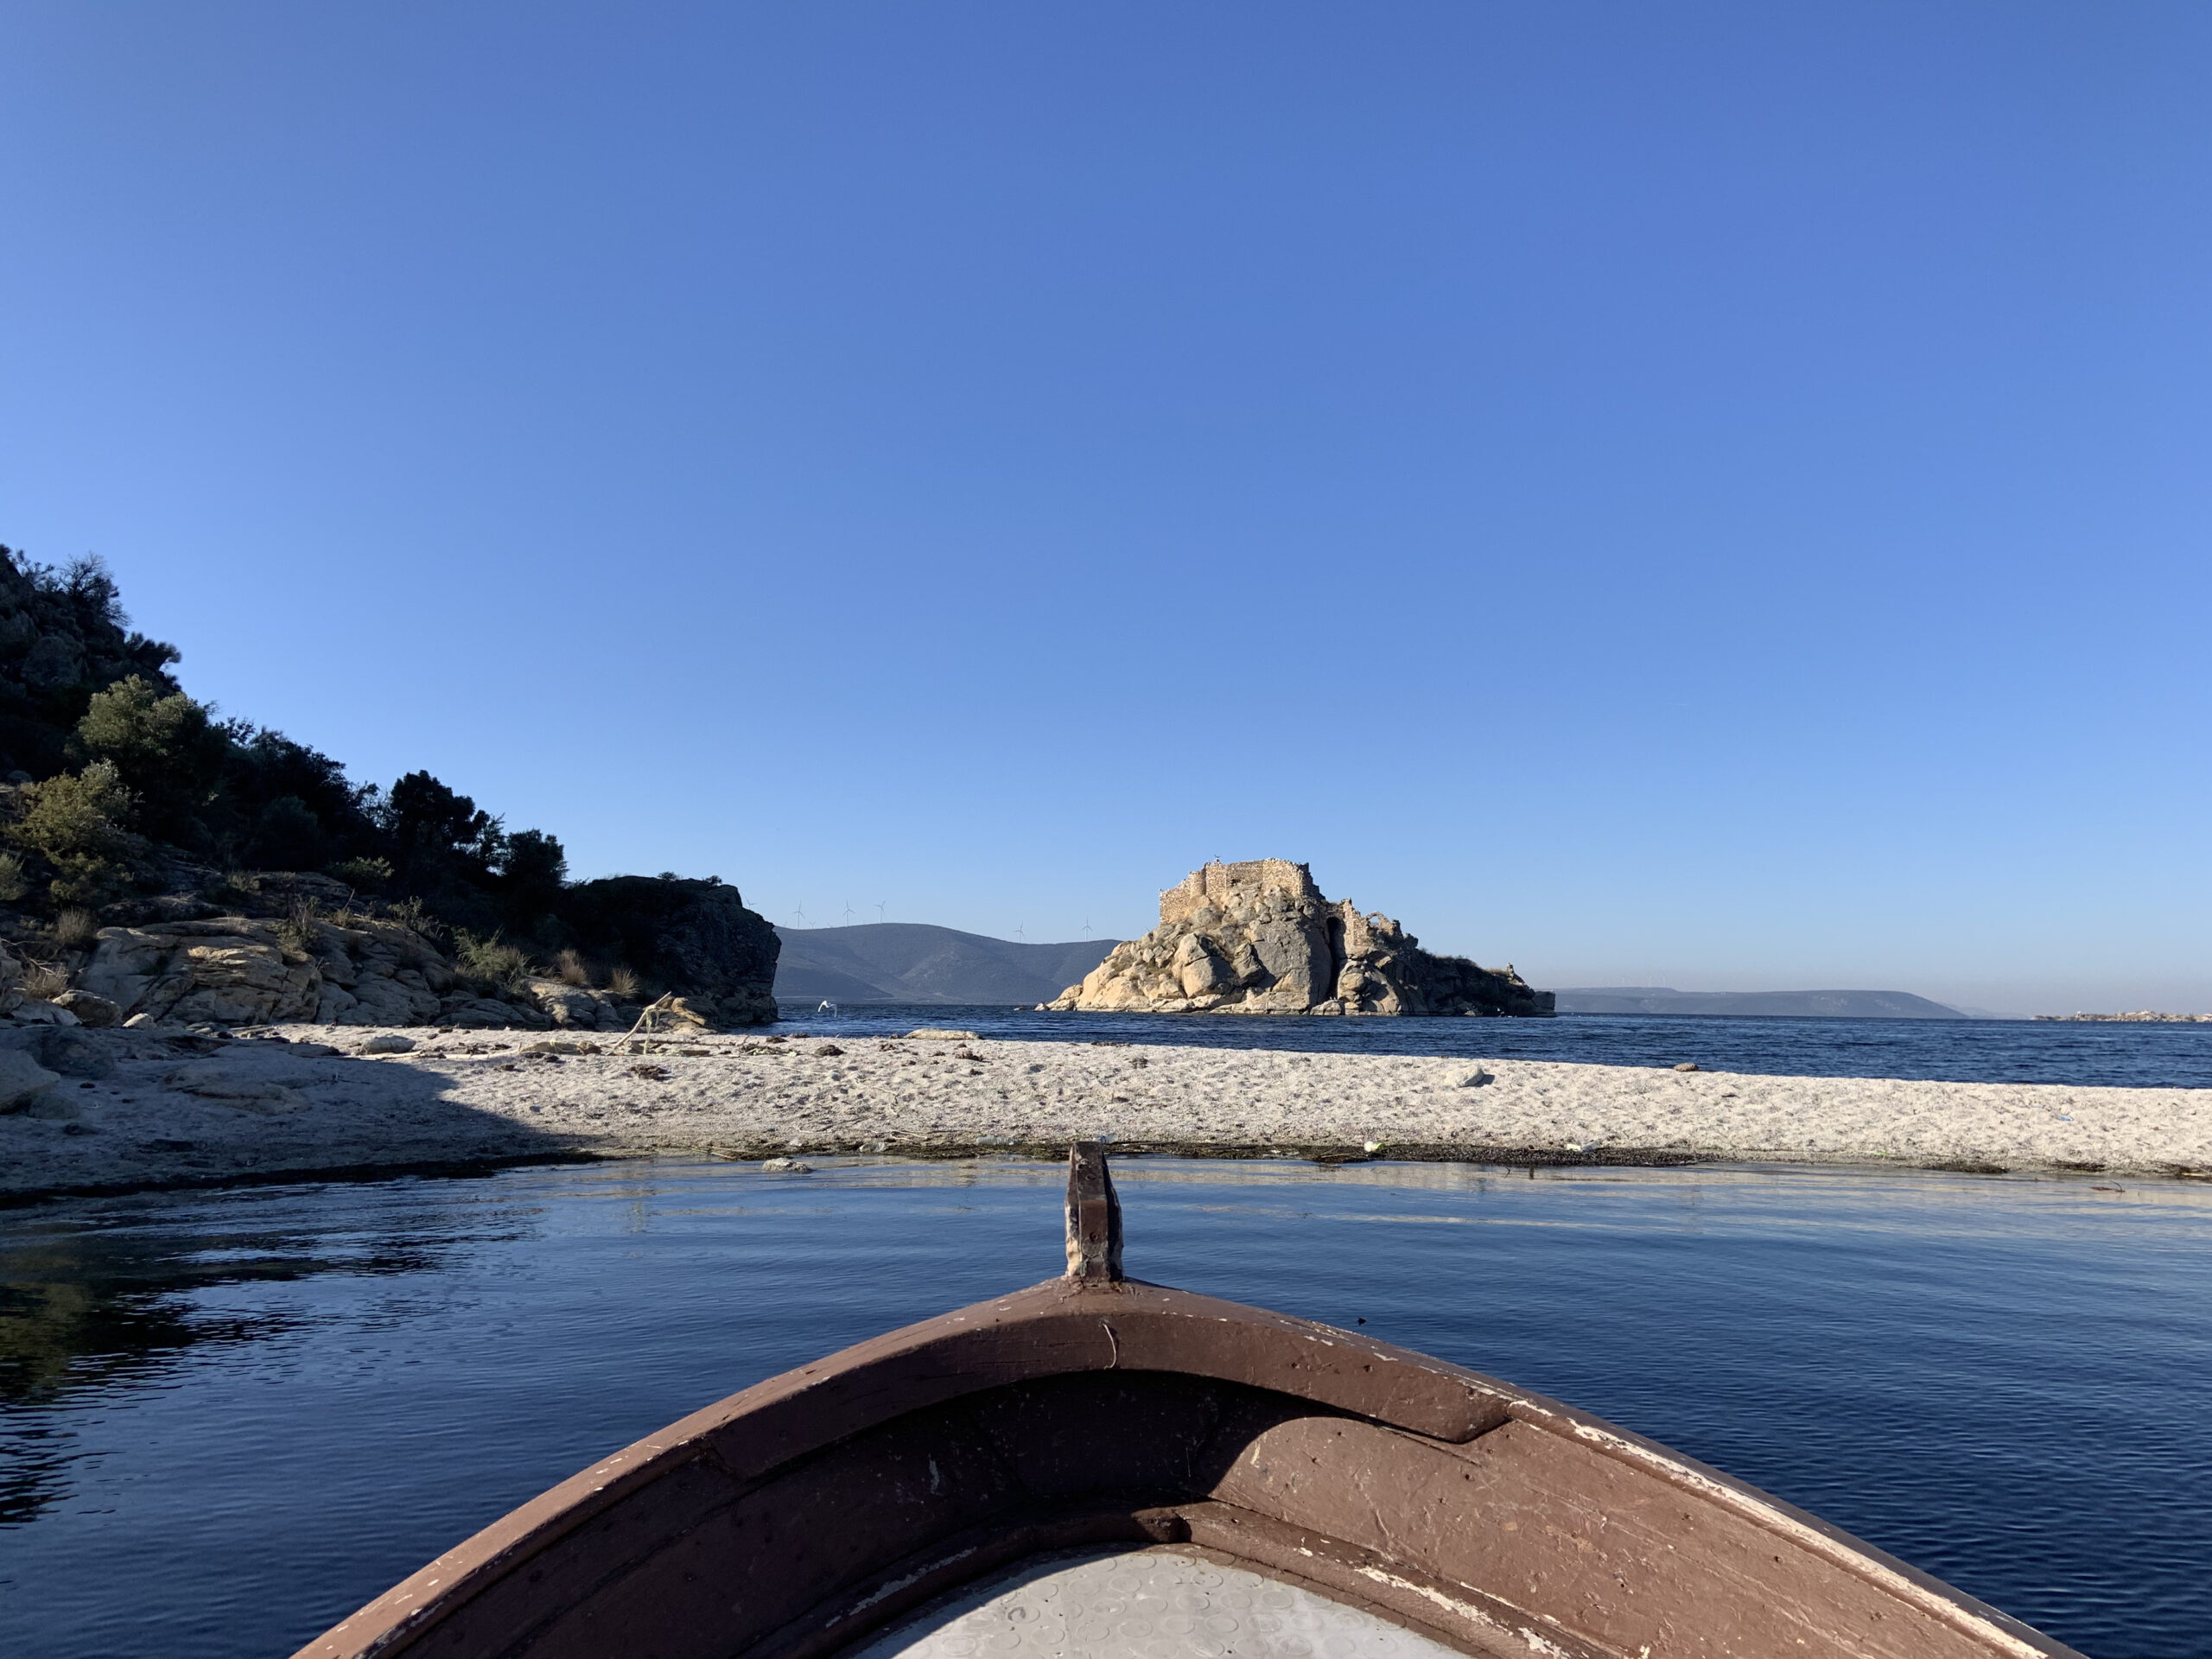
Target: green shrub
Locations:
point(491, 964)
point(359, 872)
point(14, 881)
point(287, 835)
point(74, 822)
point(166, 748)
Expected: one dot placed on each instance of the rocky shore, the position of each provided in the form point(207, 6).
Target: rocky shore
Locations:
point(112, 1109)
point(320, 958)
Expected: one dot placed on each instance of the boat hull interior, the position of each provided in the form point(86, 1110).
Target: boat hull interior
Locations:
point(1164, 1602)
point(823, 1512)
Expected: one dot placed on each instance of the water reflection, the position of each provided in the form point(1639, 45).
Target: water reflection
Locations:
point(276, 1402)
point(101, 1298)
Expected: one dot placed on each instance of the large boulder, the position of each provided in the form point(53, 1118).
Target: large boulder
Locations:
point(230, 970)
point(67, 1050)
point(491, 1013)
point(696, 938)
point(89, 1009)
point(577, 1006)
point(22, 1079)
point(1260, 937)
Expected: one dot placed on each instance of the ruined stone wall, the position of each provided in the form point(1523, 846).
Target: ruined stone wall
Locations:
point(1222, 886)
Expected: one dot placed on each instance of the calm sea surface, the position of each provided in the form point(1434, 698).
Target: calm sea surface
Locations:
point(1956, 1051)
point(229, 1418)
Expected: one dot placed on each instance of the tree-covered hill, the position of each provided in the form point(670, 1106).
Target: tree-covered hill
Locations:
point(119, 792)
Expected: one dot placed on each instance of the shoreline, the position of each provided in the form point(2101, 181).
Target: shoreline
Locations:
point(153, 1109)
point(1516, 1161)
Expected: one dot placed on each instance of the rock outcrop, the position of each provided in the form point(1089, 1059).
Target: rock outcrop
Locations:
point(325, 961)
point(236, 971)
point(695, 937)
point(353, 970)
point(1259, 937)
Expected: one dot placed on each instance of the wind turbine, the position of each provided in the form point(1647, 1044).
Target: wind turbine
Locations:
point(848, 912)
point(1017, 933)
point(1086, 927)
point(798, 917)
point(881, 905)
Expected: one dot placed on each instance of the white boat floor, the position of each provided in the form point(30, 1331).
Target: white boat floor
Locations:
point(1147, 1603)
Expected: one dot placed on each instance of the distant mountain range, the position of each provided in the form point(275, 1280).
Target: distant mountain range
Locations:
point(1802, 1005)
point(914, 961)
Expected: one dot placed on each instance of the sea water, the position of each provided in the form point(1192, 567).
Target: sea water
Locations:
point(2138, 1056)
point(229, 1418)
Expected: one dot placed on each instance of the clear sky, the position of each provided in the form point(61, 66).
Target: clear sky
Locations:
point(1701, 494)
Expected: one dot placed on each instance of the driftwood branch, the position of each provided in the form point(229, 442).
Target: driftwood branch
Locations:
point(665, 1003)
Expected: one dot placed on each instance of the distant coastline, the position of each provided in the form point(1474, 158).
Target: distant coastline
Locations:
point(1772, 1005)
point(916, 962)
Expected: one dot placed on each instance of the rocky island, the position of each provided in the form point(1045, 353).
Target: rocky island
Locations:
point(1259, 937)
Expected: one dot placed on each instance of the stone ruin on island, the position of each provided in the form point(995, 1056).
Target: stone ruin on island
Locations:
point(1260, 937)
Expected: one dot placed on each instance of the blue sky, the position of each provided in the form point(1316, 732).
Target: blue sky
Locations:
point(1712, 495)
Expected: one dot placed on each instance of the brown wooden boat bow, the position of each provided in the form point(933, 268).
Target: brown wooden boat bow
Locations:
point(809, 1513)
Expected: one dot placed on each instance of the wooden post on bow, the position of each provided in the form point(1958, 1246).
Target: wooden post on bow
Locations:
point(1094, 1216)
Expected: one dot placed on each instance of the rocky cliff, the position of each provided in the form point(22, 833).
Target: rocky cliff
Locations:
point(1259, 937)
point(298, 947)
point(696, 936)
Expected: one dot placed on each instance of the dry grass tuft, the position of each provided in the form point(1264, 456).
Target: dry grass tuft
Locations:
point(624, 981)
point(44, 980)
point(411, 914)
point(298, 927)
point(75, 928)
point(491, 964)
point(570, 969)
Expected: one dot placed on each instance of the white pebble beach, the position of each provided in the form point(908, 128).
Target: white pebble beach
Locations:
point(178, 1109)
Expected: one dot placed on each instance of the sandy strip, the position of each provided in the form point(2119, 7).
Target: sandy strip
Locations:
point(176, 1109)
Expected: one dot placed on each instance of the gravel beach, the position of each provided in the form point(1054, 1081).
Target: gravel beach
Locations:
point(152, 1108)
